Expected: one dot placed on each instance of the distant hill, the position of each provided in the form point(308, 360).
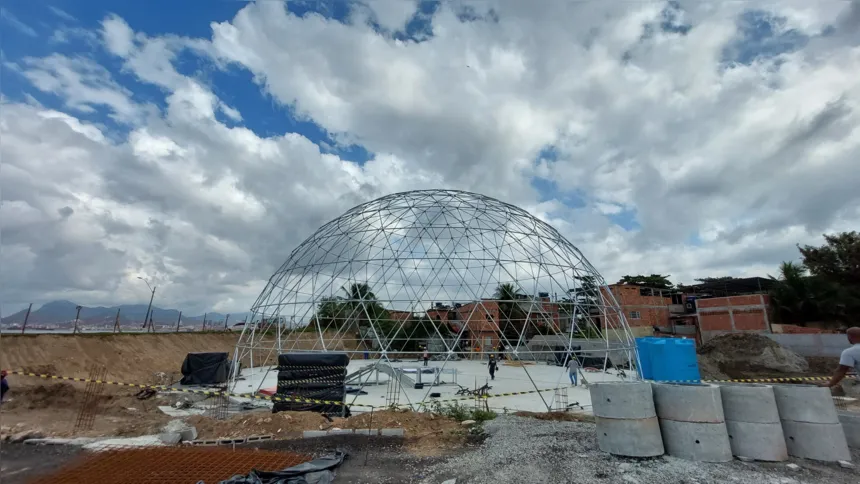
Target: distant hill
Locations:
point(59, 312)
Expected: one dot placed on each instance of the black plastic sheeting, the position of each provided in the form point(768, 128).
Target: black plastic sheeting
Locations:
point(314, 376)
point(317, 471)
point(205, 369)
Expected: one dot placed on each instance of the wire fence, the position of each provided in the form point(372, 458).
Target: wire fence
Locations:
point(83, 321)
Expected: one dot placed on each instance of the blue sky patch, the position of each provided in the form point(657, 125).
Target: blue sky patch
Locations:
point(762, 35)
point(626, 219)
point(234, 86)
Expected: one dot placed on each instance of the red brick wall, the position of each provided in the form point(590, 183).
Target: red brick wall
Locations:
point(653, 310)
point(748, 313)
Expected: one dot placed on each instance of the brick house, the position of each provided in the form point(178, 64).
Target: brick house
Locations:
point(643, 307)
point(481, 319)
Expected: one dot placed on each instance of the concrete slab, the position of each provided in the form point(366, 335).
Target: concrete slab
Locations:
point(392, 432)
point(472, 374)
point(108, 444)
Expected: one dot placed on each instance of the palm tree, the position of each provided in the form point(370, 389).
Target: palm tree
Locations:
point(799, 298)
point(513, 319)
point(331, 312)
point(362, 303)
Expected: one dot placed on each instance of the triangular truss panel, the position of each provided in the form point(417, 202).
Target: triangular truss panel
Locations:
point(460, 275)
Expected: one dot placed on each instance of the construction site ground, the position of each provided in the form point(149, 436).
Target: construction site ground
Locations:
point(513, 450)
point(549, 447)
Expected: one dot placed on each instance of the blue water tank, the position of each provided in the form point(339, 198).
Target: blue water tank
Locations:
point(674, 359)
point(643, 347)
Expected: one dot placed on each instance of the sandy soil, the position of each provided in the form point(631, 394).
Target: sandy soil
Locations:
point(128, 357)
point(749, 355)
point(53, 408)
point(426, 433)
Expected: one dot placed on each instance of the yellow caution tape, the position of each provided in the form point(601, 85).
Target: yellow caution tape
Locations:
point(255, 396)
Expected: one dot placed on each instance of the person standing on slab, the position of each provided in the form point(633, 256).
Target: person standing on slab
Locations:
point(848, 360)
point(426, 356)
point(572, 369)
point(493, 367)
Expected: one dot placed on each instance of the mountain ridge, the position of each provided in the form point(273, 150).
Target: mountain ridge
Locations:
point(63, 311)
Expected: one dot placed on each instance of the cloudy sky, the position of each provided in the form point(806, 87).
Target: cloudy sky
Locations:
point(197, 143)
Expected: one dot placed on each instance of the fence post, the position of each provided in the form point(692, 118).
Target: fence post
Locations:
point(26, 318)
point(225, 322)
point(77, 317)
point(178, 321)
point(116, 322)
point(204, 322)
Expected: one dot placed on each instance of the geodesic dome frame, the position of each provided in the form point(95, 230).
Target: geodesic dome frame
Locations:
point(448, 273)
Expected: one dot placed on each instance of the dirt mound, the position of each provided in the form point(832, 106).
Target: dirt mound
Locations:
point(738, 343)
point(557, 416)
point(46, 396)
point(710, 370)
point(416, 424)
point(53, 410)
point(281, 424)
point(134, 358)
point(745, 355)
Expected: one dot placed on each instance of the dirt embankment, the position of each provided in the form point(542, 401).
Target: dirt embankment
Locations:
point(133, 358)
point(748, 355)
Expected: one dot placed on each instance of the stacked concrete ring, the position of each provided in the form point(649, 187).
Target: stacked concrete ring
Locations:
point(626, 419)
point(752, 421)
point(692, 422)
point(810, 423)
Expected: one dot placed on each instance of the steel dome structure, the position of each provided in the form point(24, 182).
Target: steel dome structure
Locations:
point(453, 273)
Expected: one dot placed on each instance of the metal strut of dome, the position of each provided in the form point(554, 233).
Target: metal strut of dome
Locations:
point(456, 274)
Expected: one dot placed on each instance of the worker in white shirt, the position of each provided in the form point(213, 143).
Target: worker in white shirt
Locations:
point(850, 358)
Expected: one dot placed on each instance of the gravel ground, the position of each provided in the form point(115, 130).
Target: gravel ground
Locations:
point(522, 450)
point(370, 460)
point(20, 463)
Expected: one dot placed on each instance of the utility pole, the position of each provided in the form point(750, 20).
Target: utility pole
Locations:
point(27, 317)
point(116, 328)
point(77, 317)
point(178, 321)
point(149, 308)
point(204, 322)
point(225, 322)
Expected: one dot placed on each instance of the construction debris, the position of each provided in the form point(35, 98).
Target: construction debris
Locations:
point(744, 355)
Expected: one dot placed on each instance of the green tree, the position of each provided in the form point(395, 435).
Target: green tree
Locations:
point(792, 296)
point(706, 280)
point(362, 305)
point(656, 281)
point(511, 314)
point(837, 261)
point(331, 312)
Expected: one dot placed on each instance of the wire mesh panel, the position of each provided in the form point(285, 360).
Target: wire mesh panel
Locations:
point(436, 275)
point(92, 393)
point(157, 465)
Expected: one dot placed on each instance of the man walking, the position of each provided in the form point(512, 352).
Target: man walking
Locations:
point(493, 367)
point(572, 368)
point(849, 359)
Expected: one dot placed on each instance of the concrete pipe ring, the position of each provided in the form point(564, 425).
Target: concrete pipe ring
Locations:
point(688, 403)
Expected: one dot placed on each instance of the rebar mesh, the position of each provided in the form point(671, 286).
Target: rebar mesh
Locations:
point(438, 273)
point(89, 407)
point(158, 465)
